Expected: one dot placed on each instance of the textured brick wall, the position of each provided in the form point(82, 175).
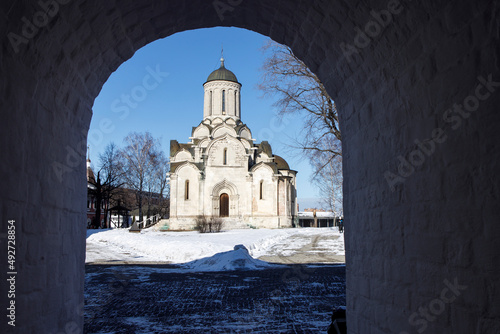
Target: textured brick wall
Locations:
point(392, 89)
point(441, 222)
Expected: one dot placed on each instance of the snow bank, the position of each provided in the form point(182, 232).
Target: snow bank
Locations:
point(237, 259)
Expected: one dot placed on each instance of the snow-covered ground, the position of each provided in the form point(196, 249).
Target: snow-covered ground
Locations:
point(236, 259)
point(279, 245)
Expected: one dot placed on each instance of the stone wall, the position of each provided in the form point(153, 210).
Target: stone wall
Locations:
point(432, 221)
point(435, 228)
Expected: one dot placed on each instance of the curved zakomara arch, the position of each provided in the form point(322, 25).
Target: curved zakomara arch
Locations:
point(263, 165)
point(224, 187)
point(230, 139)
point(187, 164)
point(222, 130)
point(183, 155)
point(201, 131)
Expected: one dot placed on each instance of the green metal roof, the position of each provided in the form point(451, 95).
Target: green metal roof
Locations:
point(222, 73)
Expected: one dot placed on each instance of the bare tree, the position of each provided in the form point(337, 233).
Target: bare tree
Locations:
point(329, 181)
point(299, 91)
point(157, 183)
point(162, 185)
point(113, 174)
point(106, 180)
point(138, 163)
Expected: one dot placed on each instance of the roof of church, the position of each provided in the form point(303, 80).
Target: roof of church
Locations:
point(265, 147)
point(90, 173)
point(174, 165)
point(175, 147)
point(222, 73)
point(280, 162)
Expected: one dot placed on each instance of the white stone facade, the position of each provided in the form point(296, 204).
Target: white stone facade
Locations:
point(221, 172)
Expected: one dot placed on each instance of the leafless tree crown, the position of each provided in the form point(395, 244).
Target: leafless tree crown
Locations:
point(300, 91)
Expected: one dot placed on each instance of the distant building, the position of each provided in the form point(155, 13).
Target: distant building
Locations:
point(314, 210)
point(318, 218)
point(221, 172)
point(122, 197)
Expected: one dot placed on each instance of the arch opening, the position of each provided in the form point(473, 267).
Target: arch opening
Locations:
point(54, 77)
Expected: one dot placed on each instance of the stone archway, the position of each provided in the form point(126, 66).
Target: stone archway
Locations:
point(397, 73)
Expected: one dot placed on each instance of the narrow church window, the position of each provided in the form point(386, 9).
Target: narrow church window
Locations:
point(223, 102)
point(211, 102)
point(186, 194)
point(235, 102)
point(261, 189)
point(225, 157)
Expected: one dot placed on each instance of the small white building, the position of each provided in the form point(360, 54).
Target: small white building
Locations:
point(318, 219)
point(221, 172)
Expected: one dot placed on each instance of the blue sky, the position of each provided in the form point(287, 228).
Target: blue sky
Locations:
point(160, 90)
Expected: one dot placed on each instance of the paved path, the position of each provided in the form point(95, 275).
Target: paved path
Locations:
point(314, 249)
point(153, 299)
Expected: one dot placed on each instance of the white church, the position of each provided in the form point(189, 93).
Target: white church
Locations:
point(222, 172)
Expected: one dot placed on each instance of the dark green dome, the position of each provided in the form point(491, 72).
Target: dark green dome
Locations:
point(281, 163)
point(222, 73)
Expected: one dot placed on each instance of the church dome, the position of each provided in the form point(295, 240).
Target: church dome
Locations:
point(280, 162)
point(222, 73)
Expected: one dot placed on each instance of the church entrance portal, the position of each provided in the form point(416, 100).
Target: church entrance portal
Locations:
point(224, 205)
